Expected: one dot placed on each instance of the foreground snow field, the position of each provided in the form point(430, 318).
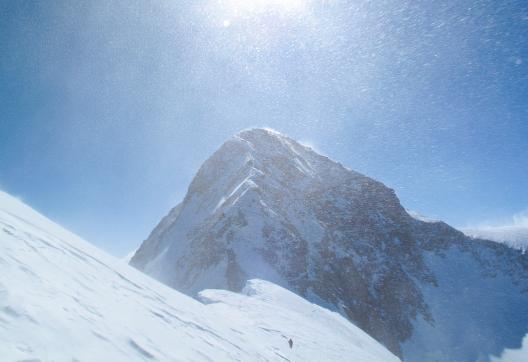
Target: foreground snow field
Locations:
point(62, 299)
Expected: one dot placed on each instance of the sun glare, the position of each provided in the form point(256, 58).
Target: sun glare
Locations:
point(246, 7)
point(232, 10)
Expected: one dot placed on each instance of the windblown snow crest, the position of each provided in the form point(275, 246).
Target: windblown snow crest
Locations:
point(264, 206)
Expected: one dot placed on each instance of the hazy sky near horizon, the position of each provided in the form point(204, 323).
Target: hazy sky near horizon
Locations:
point(109, 108)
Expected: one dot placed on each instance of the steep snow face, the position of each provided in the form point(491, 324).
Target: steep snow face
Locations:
point(264, 206)
point(63, 300)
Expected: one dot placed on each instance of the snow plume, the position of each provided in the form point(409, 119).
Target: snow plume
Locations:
point(513, 232)
point(521, 219)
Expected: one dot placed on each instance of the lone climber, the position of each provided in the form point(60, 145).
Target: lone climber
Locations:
point(290, 342)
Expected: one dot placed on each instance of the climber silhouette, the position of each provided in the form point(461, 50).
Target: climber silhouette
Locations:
point(290, 342)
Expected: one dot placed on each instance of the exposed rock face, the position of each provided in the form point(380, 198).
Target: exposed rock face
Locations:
point(264, 206)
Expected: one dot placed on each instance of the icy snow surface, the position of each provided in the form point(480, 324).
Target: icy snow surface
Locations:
point(62, 299)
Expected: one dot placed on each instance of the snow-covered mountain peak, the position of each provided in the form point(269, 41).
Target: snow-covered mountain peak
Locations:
point(263, 161)
point(262, 148)
point(264, 206)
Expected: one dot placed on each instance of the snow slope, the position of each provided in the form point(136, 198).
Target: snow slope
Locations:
point(274, 313)
point(62, 299)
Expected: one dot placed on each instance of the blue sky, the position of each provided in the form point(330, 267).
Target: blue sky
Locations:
point(108, 110)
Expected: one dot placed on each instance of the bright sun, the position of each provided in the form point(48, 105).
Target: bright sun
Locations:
point(246, 7)
point(234, 9)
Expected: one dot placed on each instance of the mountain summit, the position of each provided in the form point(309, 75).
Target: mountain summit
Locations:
point(264, 206)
